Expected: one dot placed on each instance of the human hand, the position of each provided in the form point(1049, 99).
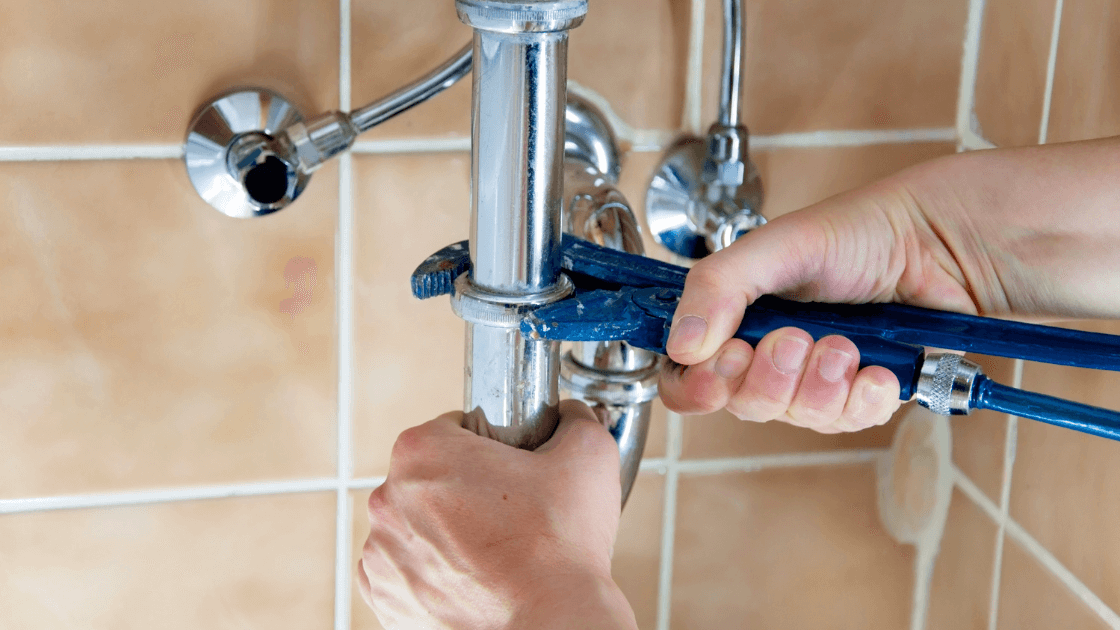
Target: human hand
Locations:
point(900, 240)
point(467, 532)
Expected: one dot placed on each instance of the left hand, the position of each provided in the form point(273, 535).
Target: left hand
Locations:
point(467, 532)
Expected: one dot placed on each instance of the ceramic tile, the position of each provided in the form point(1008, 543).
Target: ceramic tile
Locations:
point(1064, 481)
point(395, 43)
point(797, 548)
point(866, 64)
point(641, 75)
point(128, 71)
point(637, 553)
point(795, 178)
point(960, 594)
point(1086, 99)
point(634, 565)
point(979, 437)
point(1031, 598)
point(151, 341)
point(721, 434)
point(260, 562)
point(1011, 71)
point(643, 79)
point(408, 354)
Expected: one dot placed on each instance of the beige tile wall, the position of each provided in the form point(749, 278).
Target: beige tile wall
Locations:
point(149, 370)
point(1033, 548)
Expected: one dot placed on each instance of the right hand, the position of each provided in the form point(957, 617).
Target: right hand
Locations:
point(965, 233)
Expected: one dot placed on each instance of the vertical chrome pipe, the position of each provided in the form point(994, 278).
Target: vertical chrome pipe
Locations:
point(730, 87)
point(517, 145)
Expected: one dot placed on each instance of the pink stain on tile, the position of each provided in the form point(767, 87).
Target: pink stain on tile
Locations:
point(299, 276)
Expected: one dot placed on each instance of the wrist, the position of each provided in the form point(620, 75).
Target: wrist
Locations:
point(586, 601)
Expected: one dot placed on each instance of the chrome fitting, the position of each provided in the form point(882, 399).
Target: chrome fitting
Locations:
point(478, 306)
point(522, 16)
point(321, 138)
point(609, 386)
point(726, 164)
point(945, 384)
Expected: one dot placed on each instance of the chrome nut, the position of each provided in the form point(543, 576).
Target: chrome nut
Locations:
point(522, 16)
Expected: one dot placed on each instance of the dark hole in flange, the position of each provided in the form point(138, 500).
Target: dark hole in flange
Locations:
point(267, 182)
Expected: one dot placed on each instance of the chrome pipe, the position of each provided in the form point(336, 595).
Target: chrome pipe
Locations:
point(414, 93)
point(730, 86)
point(517, 141)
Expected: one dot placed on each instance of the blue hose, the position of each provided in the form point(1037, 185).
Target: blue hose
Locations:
point(988, 394)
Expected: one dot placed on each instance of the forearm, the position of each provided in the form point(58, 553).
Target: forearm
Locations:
point(1036, 231)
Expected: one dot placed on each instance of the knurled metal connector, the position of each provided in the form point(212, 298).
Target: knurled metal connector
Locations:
point(522, 16)
point(945, 384)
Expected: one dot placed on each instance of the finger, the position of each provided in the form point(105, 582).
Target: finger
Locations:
point(772, 379)
point(581, 435)
point(718, 289)
point(706, 387)
point(825, 384)
point(872, 401)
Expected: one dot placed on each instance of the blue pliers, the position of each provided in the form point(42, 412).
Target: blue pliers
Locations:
point(625, 297)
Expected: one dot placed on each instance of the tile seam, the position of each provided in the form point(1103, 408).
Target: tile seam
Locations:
point(1078, 588)
point(1051, 65)
point(644, 141)
point(1036, 550)
point(344, 263)
point(698, 467)
point(165, 495)
point(669, 520)
point(852, 138)
point(91, 152)
point(970, 61)
point(692, 113)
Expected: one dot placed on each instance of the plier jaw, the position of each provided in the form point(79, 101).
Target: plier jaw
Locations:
point(640, 317)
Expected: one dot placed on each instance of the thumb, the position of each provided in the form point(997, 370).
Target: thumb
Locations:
point(784, 253)
point(579, 427)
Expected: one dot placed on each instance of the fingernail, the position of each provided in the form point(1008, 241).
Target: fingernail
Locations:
point(834, 364)
point(874, 394)
point(789, 354)
point(732, 363)
point(687, 335)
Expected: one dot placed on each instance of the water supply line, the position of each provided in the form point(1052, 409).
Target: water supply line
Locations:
point(249, 152)
point(706, 192)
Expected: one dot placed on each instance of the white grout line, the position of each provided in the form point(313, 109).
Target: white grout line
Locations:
point(1051, 63)
point(163, 495)
point(1040, 553)
point(1064, 575)
point(788, 460)
point(668, 519)
point(853, 138)
point(1011, 440)
point(413, 145)
point(366, 483)
point(642, 141)
point(975, 494)
point(970, 141)
point(970, 61)
point(344, 264)
point(64, 153)
point(692, 115)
